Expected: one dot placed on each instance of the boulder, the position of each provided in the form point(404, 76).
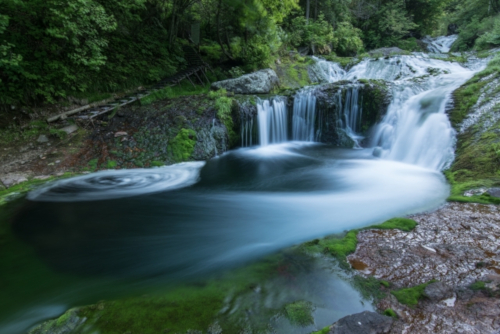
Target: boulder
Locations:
point(437, 291)
point(386, 52)
point(42, 139)
point(260, 82)
point(362, 323)
point(495, 192)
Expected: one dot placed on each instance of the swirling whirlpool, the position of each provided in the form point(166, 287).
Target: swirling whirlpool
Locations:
point(112, 184)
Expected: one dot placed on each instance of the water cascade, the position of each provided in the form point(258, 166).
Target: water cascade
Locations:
point(272, 117)
point(441, 44)
point(352, 113)
point(304, 116)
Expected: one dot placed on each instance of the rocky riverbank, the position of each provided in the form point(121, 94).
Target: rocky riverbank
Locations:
point(456, 248)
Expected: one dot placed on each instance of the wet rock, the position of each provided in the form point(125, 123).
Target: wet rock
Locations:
point(473, 192)
point(70, 129)
point(42, 139)
point(438, 291)
point(260, 82)
point(495, 192)
point(386, 52)
point(68, 323)
point(362, 323)
point(12, 179)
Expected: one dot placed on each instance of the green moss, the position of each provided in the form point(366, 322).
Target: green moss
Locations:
point(93, 164)
point(325, 330)
point(411, 296)
point(224, 105)
point(192, 305)
point(385, 283)
point(293, 73)
point(58, 133)
point(390, 313)
point(182, 146)
point(156, 164)
point(111, 164)
point(299, 313)
point(479, 285)
point(403, 224)
point(344, 62)
point(183, 89)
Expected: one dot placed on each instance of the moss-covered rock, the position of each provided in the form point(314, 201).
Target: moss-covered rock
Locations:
point(474, 114)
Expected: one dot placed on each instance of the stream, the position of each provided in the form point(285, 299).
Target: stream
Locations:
point(112, 232)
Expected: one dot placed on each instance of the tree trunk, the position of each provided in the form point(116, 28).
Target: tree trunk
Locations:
point(308, 4)
point(219, 8)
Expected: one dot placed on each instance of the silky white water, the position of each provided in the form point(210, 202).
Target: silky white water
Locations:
point(415, 129)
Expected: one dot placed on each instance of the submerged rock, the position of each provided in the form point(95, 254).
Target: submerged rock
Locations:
point(260, 82)
point(362, 323)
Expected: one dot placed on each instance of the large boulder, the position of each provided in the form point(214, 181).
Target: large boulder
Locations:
point(260, 82)
point(362, 323)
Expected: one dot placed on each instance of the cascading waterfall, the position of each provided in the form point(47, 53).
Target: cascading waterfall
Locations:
point(415, 129)
point(352, 113)
point(272, 118)
point(328, 71)
point(441, 44)
point(304, 116)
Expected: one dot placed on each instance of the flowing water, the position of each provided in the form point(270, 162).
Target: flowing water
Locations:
point(115, 231)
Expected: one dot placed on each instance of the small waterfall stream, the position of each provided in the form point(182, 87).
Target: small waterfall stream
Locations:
point(272, 117)
point(304, 116)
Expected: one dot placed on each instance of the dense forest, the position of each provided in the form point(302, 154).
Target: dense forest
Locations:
point(53, 49)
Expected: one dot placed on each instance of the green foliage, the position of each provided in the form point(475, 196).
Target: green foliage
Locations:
point(347, 40)
point(390, 313)
point(409, 44)
point(182, 146)
point(403, 224)
point(300, 313)
point(236, 72)
point(52, 49)
point(478, 22)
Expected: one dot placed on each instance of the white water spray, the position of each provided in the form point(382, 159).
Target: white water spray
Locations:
point(272, 118)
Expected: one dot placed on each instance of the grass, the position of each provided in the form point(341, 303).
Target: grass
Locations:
point(411, 296)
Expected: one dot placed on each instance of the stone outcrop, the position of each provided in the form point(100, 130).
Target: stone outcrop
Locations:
point(373, 100)
point(458, 247)
point(260, 82)
point(362, 323)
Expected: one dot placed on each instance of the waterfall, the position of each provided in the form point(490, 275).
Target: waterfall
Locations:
point(304, 116)
point(441, 44)
point(272, 118)
point(415, 129)
point(352, 112)
point(328, 71)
